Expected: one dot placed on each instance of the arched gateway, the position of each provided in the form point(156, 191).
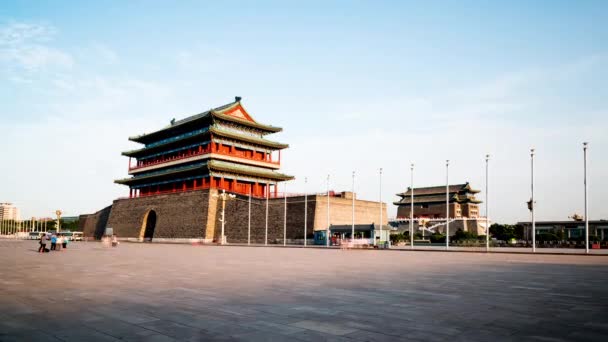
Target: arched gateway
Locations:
point(147, 228)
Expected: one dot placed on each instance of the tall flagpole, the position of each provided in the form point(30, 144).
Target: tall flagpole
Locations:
point(532, 199)
point(327, 232)
point(585, 145)
point(380, 200)
point(266, 229)
point(447, 204)
point(249, 220)
point(285, 214)
point(305, 209)
point(412, 208)
point(352, 233)
point(487, 207)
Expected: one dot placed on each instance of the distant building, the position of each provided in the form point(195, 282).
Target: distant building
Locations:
point(9, 212)
point(567, 229)
point(430, 203)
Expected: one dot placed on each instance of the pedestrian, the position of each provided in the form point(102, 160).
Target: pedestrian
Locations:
point(66, 239)
point(53, 242)
point(59, 242)
point(42, 243)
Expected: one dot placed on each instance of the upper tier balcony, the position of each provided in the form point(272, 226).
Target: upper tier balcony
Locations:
point(211, 150)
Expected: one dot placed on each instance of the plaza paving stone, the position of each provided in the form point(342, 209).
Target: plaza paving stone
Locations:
point(163, 292)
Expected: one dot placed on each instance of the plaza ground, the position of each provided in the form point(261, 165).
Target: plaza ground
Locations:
point(161, 292)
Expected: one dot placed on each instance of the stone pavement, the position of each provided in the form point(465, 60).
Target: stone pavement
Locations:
point(158, 292)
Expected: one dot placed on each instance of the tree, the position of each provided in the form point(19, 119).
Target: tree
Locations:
point(506, 232)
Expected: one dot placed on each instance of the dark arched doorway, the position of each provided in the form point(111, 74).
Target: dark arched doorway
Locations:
point(150, 224)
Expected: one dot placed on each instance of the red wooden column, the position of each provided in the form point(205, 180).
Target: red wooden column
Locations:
point(184, 186)
point(276, 190)
point(130, 193)
point(194, 185)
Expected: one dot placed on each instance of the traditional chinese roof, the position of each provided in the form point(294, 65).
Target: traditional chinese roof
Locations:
point(205, 131)
point(432, 190)
point(173, 171)
point(232, 112)
point(204, 168)
point(217, 165)
point(458, 193)
point(437, 199)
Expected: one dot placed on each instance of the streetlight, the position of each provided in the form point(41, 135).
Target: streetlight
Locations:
point(224, 197)
point(447, 204)
point(305, 209)
point(380, 200)
point(266, 228)
point(487, 206)
point(412, 207)
point(327, 232)
point(285, 214)
point(249, 219)
point(532, 199)
point(585, 146)
point(58, 213)
point(352, 233)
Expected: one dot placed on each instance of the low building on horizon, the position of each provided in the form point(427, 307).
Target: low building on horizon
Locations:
point(566, 229)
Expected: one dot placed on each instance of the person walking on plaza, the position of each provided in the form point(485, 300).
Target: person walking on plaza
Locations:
point(59, 242)
point(65, 241)
point(42, 243)
point(53, 242)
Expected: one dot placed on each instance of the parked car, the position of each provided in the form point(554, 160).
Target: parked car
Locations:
point(35, 235)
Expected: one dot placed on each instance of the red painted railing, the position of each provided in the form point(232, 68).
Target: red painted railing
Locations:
point(239, 154)
point(227, 188)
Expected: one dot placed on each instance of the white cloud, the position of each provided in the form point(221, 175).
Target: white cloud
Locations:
point(24, 49)
point(105, 53)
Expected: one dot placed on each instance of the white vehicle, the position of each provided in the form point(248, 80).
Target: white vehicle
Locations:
point(35, 235)
point(77, 236)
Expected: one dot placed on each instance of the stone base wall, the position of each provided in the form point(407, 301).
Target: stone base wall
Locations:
point(237, 219)
point(94, 225)
point(178, 215)
point(197, 214)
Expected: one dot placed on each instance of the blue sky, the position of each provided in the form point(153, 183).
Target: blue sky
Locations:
point(356, 85)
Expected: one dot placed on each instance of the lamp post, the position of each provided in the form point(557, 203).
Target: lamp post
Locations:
point(58, 213)
point(285, 214)
point(305, 209)
point(447, 204)
point(224, 197)
point(585, 146)
point(249, 219)
point(532, 199)
point(487, 206)
point(412, 207)
point(266, 228)
point(380, 202)
point(352, 233)
point(327, 232)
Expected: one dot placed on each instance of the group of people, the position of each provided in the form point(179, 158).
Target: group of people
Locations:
point(110, 241)
point(57, 242)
